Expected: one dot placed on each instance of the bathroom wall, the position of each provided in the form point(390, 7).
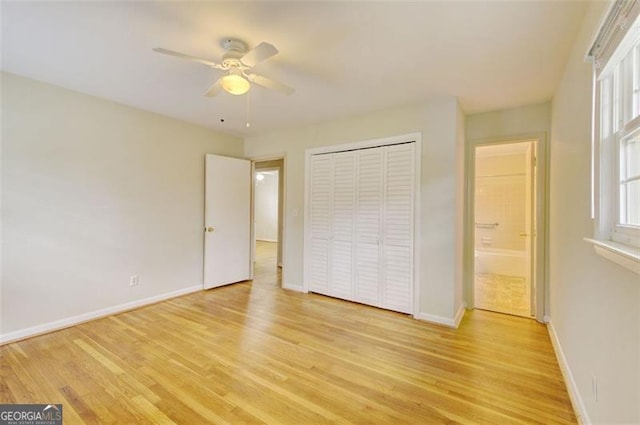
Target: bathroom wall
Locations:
point(500, 198)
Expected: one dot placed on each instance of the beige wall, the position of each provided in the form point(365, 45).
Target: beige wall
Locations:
point(509, 122)
point(441, 186)
point(94, 192)
point(595, 304)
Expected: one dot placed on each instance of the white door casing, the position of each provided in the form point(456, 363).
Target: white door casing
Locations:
point(227, 240)
point(536, 223)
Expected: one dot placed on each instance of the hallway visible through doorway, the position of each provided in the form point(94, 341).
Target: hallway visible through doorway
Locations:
point(266, 265)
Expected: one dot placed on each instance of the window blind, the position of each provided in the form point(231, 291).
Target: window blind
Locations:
point(619, 21)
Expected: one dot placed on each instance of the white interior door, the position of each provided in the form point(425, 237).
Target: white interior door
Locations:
point(530, 224)
point(227, 247)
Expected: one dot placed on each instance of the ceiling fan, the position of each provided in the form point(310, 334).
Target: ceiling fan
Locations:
point(237, 63)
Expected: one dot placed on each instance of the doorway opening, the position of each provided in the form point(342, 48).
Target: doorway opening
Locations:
point(268, 202)
point(505, 227)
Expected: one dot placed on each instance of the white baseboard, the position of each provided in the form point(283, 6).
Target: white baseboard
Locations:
point(441, 320)
point(290, 287)
point(460, 315)
point(576, 401)
point(86, 317)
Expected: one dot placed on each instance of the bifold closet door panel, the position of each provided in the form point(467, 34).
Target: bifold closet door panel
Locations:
point(398, 219)
point(320, 222)
point(398, 278)
point(341, 278)
point(369, 227)
point(361, 225)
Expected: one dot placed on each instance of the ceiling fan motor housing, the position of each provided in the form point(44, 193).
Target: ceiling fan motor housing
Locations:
point(236, 49)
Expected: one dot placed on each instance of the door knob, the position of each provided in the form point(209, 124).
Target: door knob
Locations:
point(209, 229)
point(524, 234)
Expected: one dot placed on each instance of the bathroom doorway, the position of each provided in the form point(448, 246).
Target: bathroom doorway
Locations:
point(505, 227)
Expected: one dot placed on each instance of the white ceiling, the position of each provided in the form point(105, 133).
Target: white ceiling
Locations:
point(343, 58)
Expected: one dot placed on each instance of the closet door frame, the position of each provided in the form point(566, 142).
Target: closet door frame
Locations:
point(394, 140)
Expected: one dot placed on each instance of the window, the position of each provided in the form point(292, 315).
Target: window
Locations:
point(616, 55)
point(629, 201)
point(618, 97)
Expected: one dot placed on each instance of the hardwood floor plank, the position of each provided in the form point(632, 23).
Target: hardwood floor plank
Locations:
point(152, 412)
point(103, 360)
point(253, 353)
point(200, 402)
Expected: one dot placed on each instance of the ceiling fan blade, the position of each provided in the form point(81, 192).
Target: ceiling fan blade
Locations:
point(271, 84)
point(188, 57)
point(259, 53)
point(214, 90)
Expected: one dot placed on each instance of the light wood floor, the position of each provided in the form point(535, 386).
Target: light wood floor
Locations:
point(254, 353)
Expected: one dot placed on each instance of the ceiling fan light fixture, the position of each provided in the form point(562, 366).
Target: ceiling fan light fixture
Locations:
point(237, 63)
point(235, 84)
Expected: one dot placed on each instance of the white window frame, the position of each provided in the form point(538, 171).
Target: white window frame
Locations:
point(622, 231)
point(616, 56)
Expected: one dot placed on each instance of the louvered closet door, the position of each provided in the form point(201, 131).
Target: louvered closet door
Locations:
point(398, 211)
point(361, 225)
point(341, 282)
point(320, 222)
point(369, 226)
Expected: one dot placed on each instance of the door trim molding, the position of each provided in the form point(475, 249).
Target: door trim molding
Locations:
point(371, 143)
point(541, 216)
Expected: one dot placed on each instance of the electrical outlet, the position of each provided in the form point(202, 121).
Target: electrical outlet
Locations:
point(133, 280)
point(594, 387)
